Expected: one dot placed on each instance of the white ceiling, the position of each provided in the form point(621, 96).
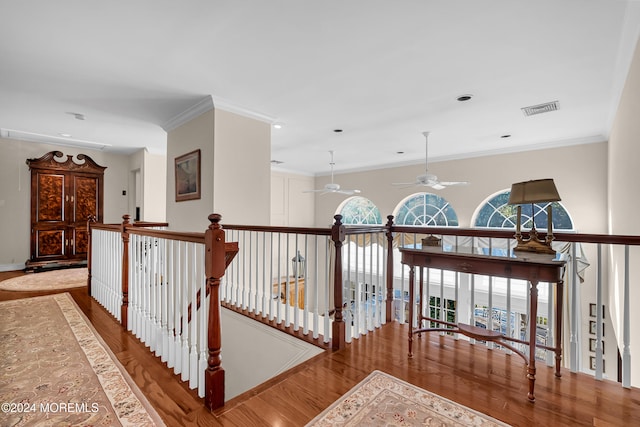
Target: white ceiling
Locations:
point(383, 71)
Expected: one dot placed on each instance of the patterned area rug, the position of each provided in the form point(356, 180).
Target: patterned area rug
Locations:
point(383, 400)
point(56, 371)
point(47, 280)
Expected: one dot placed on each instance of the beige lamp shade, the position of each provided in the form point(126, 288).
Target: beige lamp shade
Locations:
point(538, 190)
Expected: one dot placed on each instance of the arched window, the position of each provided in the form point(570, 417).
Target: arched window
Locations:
point(495, 212)
point(424, 209)
point(359, 210)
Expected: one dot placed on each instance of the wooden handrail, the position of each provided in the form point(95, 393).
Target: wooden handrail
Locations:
point(109, 227)
point(144, 224)
point(182, 236)
point(279, 229)
point(613, 239)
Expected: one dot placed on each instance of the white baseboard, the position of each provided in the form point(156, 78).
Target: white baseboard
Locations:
point(12, 267)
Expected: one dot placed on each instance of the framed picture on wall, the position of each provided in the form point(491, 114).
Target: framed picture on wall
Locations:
point(187, 169)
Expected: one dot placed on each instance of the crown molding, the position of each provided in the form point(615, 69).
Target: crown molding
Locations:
point(20, 135)
point(207, 103)
point(225, 105)
point(202, 106)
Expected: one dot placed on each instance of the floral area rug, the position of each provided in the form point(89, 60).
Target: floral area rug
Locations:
point(47, 280)
point(56, 371)
point(383, 400)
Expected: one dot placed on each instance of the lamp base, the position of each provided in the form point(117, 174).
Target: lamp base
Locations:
point(533, 244)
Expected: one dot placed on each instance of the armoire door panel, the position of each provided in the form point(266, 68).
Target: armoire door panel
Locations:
point(50, 243)
point(80, 242)
point(85, 200)
point(50, 197)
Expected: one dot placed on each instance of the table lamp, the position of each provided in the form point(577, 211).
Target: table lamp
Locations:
point(535, 191)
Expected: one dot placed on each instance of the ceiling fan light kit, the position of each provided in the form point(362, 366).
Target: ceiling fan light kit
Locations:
point(429, 180)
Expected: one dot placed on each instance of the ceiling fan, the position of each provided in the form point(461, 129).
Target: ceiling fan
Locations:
point(429, 180)
point(333, 187)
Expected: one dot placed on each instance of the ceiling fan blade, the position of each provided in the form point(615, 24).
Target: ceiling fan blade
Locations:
point(405, 184)
point(449, 183)
point(348, 192)
point(314, 191)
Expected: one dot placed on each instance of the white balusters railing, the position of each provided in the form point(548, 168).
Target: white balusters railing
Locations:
point(287, 275)
point(106, 272)
point(154, 282)
point(262, 280)
point(167, 284)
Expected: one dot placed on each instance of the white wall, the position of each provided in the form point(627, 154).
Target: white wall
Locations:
point(241, 168)
point(191, 215)
point(15, 193)
point(624, 175)
point(290, 205)
point(154, 187)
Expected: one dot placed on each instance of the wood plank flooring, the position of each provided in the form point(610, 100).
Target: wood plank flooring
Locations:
point(485, 380)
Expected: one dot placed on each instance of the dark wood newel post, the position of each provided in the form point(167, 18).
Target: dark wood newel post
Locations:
point(389, 234)
point(125, 271)
point(90, 220)
point(338, 332)
point(215, 266)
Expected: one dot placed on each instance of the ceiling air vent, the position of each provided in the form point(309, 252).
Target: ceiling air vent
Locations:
point(540, 108)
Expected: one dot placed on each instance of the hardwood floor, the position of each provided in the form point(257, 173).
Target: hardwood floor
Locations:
point(482, 379)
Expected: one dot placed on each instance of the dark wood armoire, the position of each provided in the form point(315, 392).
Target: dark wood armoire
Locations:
point(63, 196)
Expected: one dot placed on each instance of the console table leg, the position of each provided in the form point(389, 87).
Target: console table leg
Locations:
point(559, 308)
point(531, 375)
point(533, 318)
point(411, 299)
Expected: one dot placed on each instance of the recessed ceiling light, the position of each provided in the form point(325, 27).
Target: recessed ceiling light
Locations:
point(278, 125)
point(505, 136)
point(399, 152)
point(65, 135)
point(337, 130)
point(463, 98)
point(276, 162)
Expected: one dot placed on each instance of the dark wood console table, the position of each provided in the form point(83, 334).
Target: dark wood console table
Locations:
point(532, 267)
